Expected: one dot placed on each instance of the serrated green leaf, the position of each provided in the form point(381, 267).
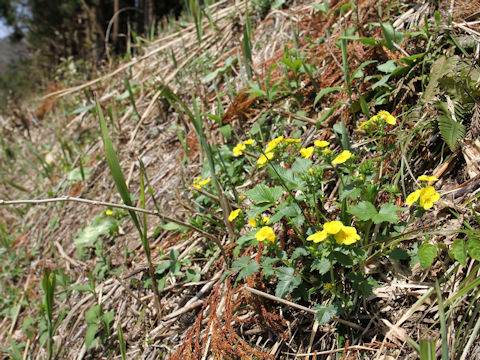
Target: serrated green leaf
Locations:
point(459, 251)
point(473, 246)
point(427, 254)
point(439, 69)
point(388, 213)
point(267, 265)
point(321, 265)
point(287, 281)
point(326, 313)
point(362, 285)
point(264, 194)
point(301, 165)
point(452, 132)
point(245, 267)
point(364, 211)
point(343, 259)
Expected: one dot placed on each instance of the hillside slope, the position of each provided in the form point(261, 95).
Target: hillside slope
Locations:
point(298, 183)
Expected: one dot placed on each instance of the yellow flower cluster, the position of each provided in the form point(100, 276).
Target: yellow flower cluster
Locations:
point(264, 221)
point(271, 146)
point(308, 151)
point(426, 196)
point(342, 234)
point(198, 182)
point(241, 146)
point(265, 233)
point(381, 116)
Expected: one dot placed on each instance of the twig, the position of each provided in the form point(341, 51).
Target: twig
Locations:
point(299, 307)
point(108, 204)
point(327, 352)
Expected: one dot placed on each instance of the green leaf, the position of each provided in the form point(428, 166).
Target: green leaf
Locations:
point(326, 313)
point(267, 265)
point(364, 211)
point(452, 132)
point(265, 194)
point(108, 317)
point(90, 234)
point(321, 265)
point(344, 259)
point(392, 36)
point(398, 254)
point(301, 165)
point(473, 246)
point(245, 267)
point(287, 282)
point(90, 339)
point(76, 174)
point(439, 69)
point(362, 285)
point(459, 251)
point(427, 254)
point(326, 91)
point(427, 350)
point(115, 168)
point(387, 67)
point(92, 315)
point(388, 213)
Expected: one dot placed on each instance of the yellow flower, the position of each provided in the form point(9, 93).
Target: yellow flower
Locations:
point(318, 236)
point(241, 196)
point(266, 220)
point(311, 171)
point(265, 233)
point(252, 222)
point(344, 156)
point(273, 144)
point(427, 178)
point(333, 227)
point(198, 182)
point(321, 144)
point(366, 123)
point(347, 235)
point(204, 182)
point(428, 196)
point(108, 212)
point(413, 197)
point(387, 117)
point(262, 161)
point(292, 141)
point(234, 214)
point(326, 151)
point(307, 152)
point(249, 142)
point(238, 150)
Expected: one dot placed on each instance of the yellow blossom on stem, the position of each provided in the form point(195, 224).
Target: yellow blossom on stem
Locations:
point(273, 144)
point(249, 142)
point(198, 182)
point(333, 227)
point(387, 117)
point(344, 156)
point(311, 171)
point(321, 144)
point(292, 141)
point(347, 235)
point(428, 196)
point(307, 152)
point(326, 150)
point(427, 178)
point(265, 233)
point(252, 222)
point(413, 197)
point(262, 161)
point(238, 150)
point(266, 220)
point(318, 236)
point(204, 182)
point(108, 212)
point(234, 214)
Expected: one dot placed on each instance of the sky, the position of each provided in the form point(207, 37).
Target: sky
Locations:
point(4, 30)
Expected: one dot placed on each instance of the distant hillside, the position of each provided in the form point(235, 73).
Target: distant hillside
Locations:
point(11, 51)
